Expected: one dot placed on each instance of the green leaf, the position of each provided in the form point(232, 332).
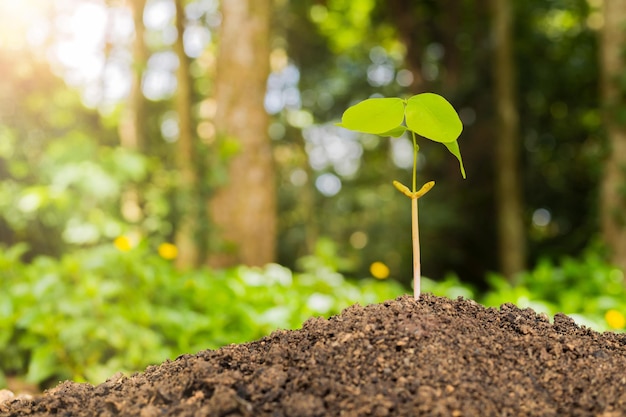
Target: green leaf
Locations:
point(374, 115)
point(394, 133)
point(433, 117)
point(453, 147)
point(42, 364)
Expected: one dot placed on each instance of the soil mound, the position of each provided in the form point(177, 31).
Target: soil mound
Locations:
point(434, 357)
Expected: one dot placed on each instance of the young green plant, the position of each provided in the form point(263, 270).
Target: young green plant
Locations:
point(428, 115)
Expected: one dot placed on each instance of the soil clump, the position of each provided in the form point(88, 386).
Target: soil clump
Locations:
point(433, 357)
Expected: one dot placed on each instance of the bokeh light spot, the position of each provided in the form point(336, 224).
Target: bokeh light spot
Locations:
point(358, 240)
point(379, 270)
point(168, 251)
point(328, 184)
point(123, 243)
point(542, 217)
point(615, 319)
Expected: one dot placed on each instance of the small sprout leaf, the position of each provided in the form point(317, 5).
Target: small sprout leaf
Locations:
point(453, 147)
point(425, 188)
point(433, 117)
point(403, 188)
point(413, 195)
point(374, 115)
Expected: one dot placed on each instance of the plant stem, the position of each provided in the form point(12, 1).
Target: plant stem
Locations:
point(416, 249)
point(416, 148)
point(417, 274)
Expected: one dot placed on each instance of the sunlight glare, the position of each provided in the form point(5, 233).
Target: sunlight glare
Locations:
point(159, 14)
point(16, 19)
point(83, 35)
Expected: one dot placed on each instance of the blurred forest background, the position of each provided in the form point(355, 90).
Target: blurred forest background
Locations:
point(159, 159)
point(156, 120)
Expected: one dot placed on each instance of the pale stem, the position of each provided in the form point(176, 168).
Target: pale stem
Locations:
point(416, 148)
point(414, 225)
point(416, 249)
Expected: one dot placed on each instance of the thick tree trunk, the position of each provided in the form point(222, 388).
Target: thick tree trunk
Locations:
point(613, 196)
point(512, 241)
point(244, 210)
point(132, 124)
point(186, 241)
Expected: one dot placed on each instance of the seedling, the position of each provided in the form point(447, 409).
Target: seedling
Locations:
point(428, 115)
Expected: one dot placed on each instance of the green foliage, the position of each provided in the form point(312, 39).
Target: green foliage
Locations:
point(587, 289)
point(450, 287)
point(61, 174)
point(427, 114)
point(99, 311)
point(74, 194)
point(346, 23)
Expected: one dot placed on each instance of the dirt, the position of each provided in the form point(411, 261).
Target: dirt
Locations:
point(434, 357)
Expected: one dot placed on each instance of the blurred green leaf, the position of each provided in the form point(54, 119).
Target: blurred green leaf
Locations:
point(42, 364)
point(98, 311)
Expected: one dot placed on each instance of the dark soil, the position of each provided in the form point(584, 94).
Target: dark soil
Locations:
point(435, 357)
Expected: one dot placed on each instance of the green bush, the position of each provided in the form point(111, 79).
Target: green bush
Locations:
point(102, 310)
point(450, 287)
point(586, 288)
point(99, 311)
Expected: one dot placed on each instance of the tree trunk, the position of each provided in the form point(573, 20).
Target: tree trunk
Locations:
point(132, 130)
point(244, 210)
point(511, 237)
point(186, 241)
point(613, 196)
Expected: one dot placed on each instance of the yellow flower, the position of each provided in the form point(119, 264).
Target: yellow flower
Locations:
point(615, 319)
point(168, 251)
point(379, 270)
point(123, 243)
